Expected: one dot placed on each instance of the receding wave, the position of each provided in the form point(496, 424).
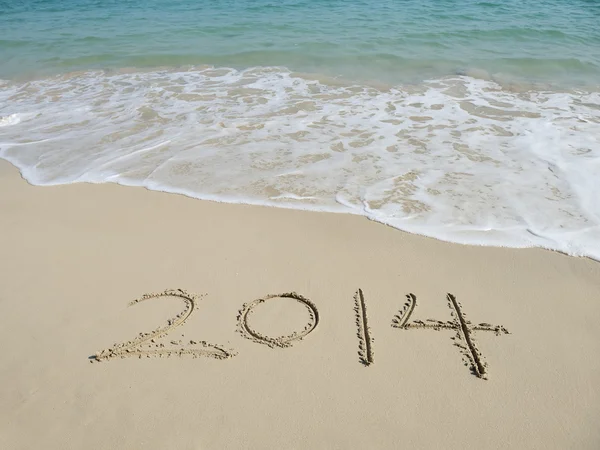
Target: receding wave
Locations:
point(460, 158)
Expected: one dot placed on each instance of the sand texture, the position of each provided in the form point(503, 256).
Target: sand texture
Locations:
point(132, 319)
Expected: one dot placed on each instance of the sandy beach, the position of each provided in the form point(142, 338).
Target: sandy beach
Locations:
point(74, 257)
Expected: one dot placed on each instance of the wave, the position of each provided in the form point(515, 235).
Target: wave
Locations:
point(459, 158)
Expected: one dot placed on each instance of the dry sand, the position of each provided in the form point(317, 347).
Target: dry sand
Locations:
point(73, 257)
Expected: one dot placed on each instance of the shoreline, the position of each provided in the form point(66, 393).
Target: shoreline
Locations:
point(492, 242)
point(76, 255)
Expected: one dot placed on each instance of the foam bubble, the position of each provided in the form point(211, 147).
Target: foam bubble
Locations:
point(11, 119)
point(460, 159)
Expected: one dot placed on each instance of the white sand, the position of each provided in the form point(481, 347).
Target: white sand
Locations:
point(74, 256)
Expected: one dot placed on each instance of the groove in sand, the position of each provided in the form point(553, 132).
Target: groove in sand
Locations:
point(464, 330)
point(134, 346)
point(365, 341)
point(282, 341)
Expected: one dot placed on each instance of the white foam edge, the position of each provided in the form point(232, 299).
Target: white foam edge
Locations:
point(499, 238)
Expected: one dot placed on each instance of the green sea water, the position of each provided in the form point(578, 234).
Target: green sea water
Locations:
point(386, 40)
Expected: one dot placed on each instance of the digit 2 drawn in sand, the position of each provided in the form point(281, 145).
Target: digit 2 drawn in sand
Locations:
point(282, 341)
point(463, 327)
point(365, 341)
point(135, 347)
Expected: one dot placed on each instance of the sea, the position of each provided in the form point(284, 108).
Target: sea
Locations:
point(475, 122)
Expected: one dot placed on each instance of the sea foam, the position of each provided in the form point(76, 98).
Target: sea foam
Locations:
point(460, 159)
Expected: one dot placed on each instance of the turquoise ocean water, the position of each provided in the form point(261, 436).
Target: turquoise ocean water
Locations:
point(387, 40)
point(469, 121)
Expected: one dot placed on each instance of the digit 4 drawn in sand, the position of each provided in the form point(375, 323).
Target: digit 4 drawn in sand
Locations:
point(464, 338)
point(144, 344)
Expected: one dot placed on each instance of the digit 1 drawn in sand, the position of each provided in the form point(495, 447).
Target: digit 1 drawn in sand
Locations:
point(463, 327)
point(365, 341)
point(281, 341)
point(135, 347)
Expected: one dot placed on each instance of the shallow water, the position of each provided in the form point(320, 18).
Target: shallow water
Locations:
point(389, 40)
point(474, 122)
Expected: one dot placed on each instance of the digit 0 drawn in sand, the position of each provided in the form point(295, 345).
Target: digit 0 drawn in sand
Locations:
point(282, 341)
point(365, 341)
point(464, 338)
point(145, 343)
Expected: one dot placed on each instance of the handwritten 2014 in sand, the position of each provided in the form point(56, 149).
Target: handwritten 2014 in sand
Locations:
point(145, 344)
